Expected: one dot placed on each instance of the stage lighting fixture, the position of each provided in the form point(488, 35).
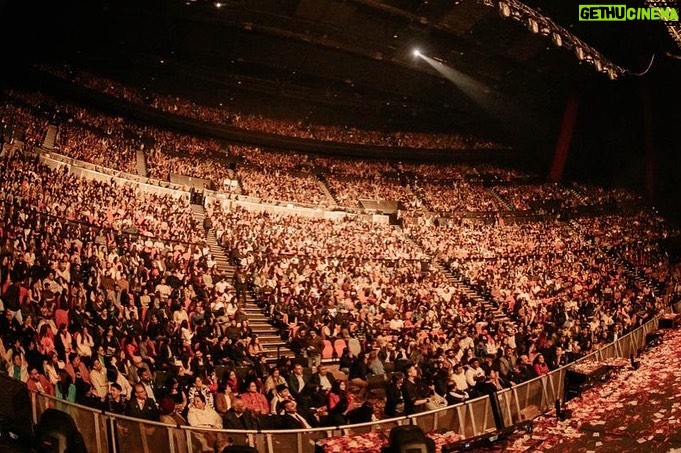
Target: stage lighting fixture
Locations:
point(580, 53)
point(557, 40)
point(417, 53)
point(532, 25)
point(504, 9)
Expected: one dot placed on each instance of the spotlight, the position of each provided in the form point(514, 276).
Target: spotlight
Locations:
point(417, 53)
point(557, 40)
point(532, 25)
point(580, 53)
point(504, 9)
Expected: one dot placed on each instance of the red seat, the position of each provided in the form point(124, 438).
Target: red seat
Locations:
point(327, 353)
point(338, 346)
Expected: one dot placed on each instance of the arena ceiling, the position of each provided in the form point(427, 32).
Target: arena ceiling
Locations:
point(358, 54)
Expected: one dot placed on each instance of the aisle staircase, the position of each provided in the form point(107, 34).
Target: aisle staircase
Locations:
point(325, 189)
point(50, 137)
point(487, 302)
point(633, 272)
point(502, 202)
point(142, 164)
point(269, 337)
point(459, 283)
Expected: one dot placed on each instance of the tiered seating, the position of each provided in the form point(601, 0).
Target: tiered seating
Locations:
point(73, 246)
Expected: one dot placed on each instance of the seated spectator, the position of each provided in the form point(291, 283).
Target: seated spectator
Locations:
point(201, 415)
point(281, 394)
point(17, 368)
point(358, 375)
point(115, 402)
point(201, 388)
point(540, 366)
point(239, 418)
point(65, 388)
point(362, 414)
point(457, 389)
point(394, 402)
point(292, 419)
point(339, 403)
point(141, 406)
point(39, 383)
point(273, 380)
point(254, 400)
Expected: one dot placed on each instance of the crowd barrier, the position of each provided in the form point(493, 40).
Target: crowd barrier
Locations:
point(104, 432)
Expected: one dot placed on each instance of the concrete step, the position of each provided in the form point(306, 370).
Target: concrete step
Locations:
point(258, 318)
point(273, 344)
point(50, 137)
point(270, 341)
point(271, 334)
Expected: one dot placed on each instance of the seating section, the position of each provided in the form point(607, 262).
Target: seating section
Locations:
point(125, 275)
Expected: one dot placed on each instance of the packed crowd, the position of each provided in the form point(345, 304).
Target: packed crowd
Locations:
point(348, 191)
point(554, 281)
point(272, 159)
point(456, 196)
point(161, 166)
point(365, 169)
point(526, 197)
point(487, 241)
point(275, 185)
point(642, 226)
point(105, 204)
point(242, 232)
point(20, 121)
point(112, 141)
point(148, 326)
point(594, 195)
point(223, 115)
point(99, 149)
point(638, 240)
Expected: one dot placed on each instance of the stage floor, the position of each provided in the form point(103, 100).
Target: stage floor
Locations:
point(636, 411)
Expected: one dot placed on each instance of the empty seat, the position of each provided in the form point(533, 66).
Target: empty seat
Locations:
point(328, 352)
point(377, 385)
point(338, 346)
point(220, 372)
point(354, 346)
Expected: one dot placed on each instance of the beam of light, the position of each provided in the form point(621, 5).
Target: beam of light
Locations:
point(512, 113)
point(478, 92)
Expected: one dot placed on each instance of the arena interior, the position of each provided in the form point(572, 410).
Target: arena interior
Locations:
point(339, 225)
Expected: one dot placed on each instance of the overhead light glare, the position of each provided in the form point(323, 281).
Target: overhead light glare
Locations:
point(504, 9)
point(557, 39)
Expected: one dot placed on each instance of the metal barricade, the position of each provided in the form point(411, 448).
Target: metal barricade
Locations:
point(139, 436)
point(91, 424)
point(104, 433)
